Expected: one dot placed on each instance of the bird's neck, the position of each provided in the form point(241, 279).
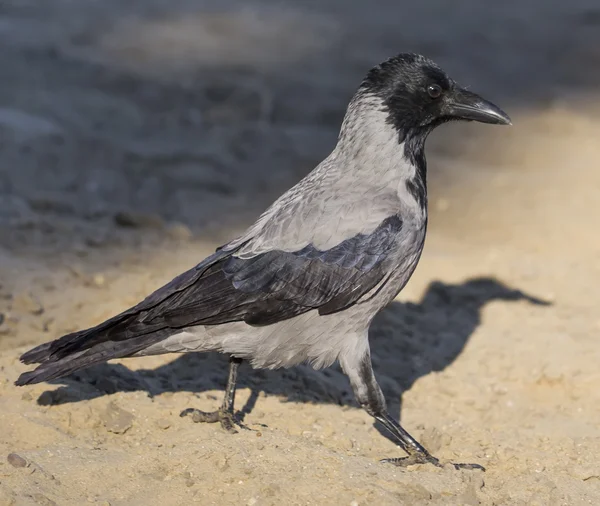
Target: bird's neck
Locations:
point(414, 152)
point(376, 154)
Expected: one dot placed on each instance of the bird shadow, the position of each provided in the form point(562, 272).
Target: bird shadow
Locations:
point(408, 341)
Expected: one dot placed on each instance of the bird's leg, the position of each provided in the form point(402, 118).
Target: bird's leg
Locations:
point(369, 395)
point(225, 413)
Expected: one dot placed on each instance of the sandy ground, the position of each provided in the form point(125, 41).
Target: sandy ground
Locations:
point(137, 136)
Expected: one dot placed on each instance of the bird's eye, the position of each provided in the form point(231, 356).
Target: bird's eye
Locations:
point(434, 90)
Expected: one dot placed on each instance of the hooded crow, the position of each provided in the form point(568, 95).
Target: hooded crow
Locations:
point(304, 282)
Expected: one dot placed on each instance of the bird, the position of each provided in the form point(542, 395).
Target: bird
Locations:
point(303, 283)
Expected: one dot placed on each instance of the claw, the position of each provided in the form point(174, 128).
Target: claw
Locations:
point(469, 466)
point(418, 458)
point(415, 458)
point(225, 417)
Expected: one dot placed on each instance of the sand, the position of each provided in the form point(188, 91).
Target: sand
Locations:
point(135, 137)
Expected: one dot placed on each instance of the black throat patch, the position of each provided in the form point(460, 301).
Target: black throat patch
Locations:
point(414, 152)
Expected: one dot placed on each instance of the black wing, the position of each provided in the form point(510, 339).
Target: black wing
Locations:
point(278, 285)
point(260, 290)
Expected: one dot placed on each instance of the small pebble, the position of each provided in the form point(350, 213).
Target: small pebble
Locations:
point(189, 479)
point(117, 420)
point(347, 444)
point(15, 460)
point(221, 463)
point(271, 490)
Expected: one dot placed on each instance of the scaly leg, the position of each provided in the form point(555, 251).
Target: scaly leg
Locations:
point(369, 395)
point(225, 414)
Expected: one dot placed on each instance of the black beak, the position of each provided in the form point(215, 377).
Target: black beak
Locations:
point(468, 106)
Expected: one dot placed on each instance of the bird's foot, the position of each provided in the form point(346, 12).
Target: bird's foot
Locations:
point(226, 418)
point(426, 458)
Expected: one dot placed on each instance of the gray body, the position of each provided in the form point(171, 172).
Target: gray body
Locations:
point(360, 184)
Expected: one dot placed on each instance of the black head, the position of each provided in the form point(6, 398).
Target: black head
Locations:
point(420, 96)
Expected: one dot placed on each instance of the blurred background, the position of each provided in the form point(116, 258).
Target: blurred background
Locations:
point(138, 135)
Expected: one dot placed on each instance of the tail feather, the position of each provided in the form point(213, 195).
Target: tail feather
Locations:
point(36, 355)
point(54, 369)
point(50, 352)
point(122, 335)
